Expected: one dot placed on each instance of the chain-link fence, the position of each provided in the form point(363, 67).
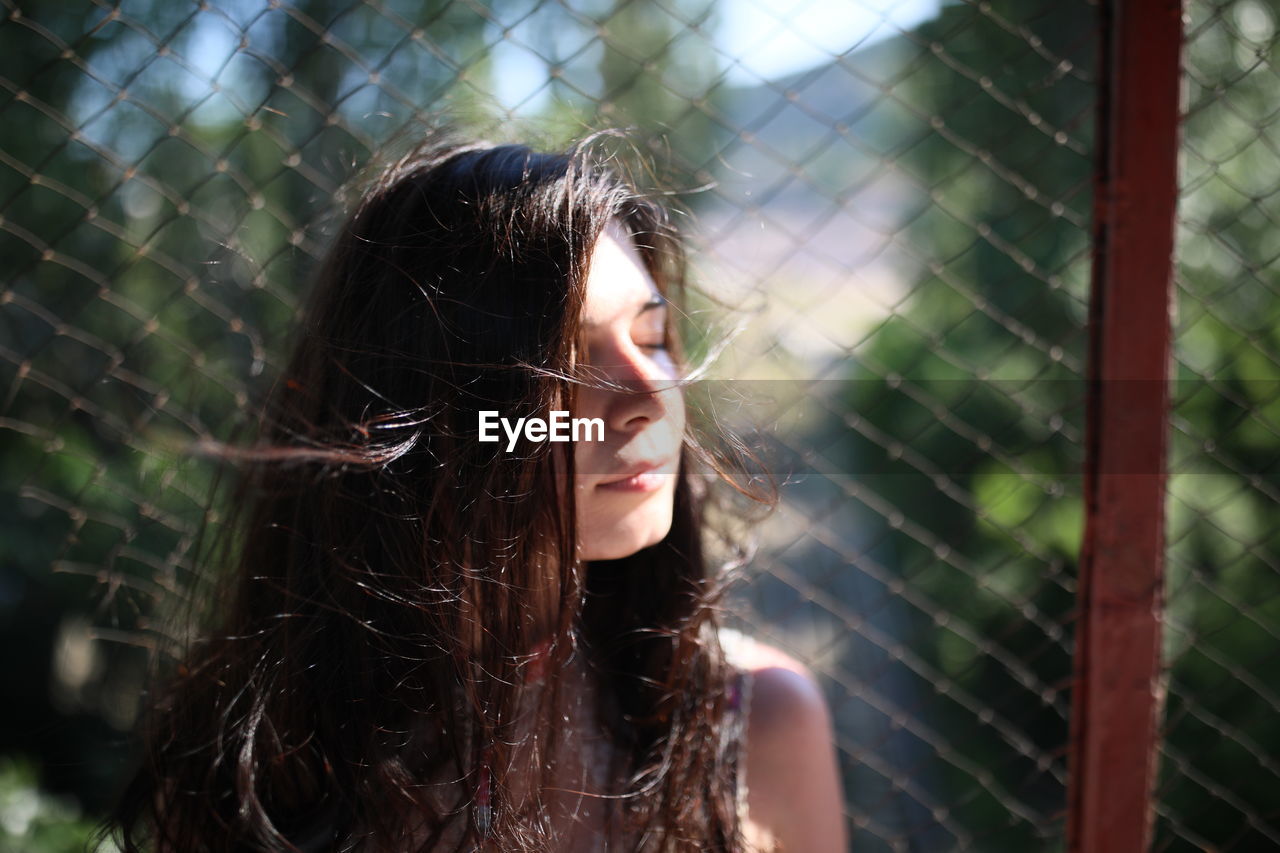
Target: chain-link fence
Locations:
point(908, 207)
point(1220, 783)
point(912, 209)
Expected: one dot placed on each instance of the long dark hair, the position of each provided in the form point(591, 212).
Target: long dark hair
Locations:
point(389, 581)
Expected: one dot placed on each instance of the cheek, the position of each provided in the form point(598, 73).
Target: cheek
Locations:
point(674, 400)
point(666, 365)
point(677, 406)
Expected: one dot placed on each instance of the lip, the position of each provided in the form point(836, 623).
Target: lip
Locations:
point(641, 477)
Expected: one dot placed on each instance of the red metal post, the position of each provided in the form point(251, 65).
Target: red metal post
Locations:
point(1117, 696)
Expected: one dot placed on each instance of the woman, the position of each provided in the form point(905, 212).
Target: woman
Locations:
point(426, 641)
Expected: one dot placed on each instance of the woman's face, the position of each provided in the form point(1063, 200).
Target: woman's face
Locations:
point(626, 484)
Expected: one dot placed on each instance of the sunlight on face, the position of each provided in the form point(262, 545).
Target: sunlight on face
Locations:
point(626, 484)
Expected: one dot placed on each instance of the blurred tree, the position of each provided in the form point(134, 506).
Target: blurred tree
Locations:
point(962, 422)
point(51, 453)
point(32, 821)
point(1220, 782)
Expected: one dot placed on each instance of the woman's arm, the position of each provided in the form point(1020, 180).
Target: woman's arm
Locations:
point(793, 785)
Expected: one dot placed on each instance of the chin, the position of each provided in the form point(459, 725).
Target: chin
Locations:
point(625, 536)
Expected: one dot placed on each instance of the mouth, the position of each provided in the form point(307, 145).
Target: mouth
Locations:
point(642, 477)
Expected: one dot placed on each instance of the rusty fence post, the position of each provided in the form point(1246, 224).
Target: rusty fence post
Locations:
point(1117, 700)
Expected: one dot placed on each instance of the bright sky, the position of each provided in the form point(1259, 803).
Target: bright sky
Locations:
point(777, 37)
point(768, 39)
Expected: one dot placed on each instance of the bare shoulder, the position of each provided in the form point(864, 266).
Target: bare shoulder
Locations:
point(784, 694)
point(793, 785)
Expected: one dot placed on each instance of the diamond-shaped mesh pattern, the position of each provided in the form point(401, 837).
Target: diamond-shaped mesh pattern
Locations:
point(1220, 779)
point(908, 220)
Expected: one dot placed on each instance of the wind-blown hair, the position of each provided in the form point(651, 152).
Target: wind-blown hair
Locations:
point(391, 582)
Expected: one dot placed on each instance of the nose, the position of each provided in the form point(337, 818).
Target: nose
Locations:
point(638, 400)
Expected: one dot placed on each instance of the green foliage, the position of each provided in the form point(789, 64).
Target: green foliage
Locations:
point(1218, 782)
point(966, 408)
point(32, 821)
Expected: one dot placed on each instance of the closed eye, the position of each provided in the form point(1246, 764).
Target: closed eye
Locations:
point(650, 325)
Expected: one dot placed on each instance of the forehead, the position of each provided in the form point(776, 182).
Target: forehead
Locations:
point(617, 281)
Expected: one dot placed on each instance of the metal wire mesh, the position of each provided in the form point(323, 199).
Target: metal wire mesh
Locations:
point(1219, 782)
point(910, 215)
